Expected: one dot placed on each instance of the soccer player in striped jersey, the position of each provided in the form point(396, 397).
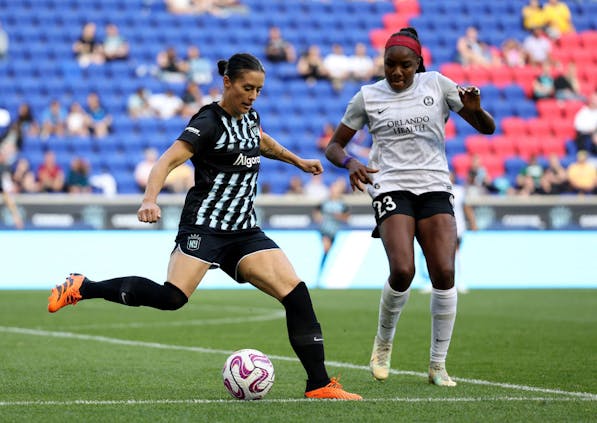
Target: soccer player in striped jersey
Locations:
point(408, 180)
point(218, 225)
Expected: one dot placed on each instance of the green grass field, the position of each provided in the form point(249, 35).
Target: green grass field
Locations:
point(516, 355)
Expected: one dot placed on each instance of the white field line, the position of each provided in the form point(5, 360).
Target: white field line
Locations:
point(285, 400)
point(116, 341)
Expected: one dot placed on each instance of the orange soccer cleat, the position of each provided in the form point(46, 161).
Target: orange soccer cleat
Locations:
point(332, 390)
point(67, 293)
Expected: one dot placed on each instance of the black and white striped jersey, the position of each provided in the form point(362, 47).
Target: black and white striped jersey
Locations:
point(226, 160)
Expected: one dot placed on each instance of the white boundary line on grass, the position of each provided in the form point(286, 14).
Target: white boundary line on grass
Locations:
point(270, 401)
point(116, 341)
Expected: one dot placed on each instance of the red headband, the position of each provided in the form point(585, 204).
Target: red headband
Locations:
point(404, 41)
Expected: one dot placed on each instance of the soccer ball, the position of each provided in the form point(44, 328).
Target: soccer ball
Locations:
point(248, 374)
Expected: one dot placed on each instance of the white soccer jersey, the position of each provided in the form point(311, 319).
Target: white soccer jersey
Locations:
point(408, 132)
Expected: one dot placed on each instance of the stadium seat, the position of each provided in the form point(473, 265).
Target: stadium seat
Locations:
point(477, 144)
point(503, 145)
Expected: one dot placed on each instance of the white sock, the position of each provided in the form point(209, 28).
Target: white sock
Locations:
point(390, 305)
point(443, 315)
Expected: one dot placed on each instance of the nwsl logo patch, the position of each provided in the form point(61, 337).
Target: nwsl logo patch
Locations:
point(193, 242)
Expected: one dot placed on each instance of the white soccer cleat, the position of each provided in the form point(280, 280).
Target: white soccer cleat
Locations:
point(380, 359)
point(439, 376)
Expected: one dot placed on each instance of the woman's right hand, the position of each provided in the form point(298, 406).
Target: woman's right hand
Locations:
point(149, 212)
point(359, 174)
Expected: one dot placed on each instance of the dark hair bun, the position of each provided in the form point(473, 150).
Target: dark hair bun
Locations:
point(222, 66)
point(410, 30)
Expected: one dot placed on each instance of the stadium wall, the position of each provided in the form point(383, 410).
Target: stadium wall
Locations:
point(490, 259)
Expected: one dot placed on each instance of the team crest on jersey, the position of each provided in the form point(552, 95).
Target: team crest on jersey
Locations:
point(428, 101)
point(255, 130)
point(193, 242)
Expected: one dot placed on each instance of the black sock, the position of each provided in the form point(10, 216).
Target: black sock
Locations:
point(135, 291)
point(305, 335)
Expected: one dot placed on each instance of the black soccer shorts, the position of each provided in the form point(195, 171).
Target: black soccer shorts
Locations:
point(405, 202)
point(223, 249)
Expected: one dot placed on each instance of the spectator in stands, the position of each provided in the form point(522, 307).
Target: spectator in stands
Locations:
point(138, 104)
point(474, 52)
point(220, 8)
point(87, 49)
point(166, 105)
point(533, 15)
point(543, 84)
point(566, 84)
point(316, 189)
point(50, 175)
point(310, 65)
point(23, 177)
point(78, 122)
point(103, 182)
point(585, 124)
point(77, 179)
point(557, 18)
point(180, 180)
point(6, 195)
point(143, 168)
point(360, 64)
point(171, 68)
point(582, 174)
point(555, 178)
point(332, 215)
point(338, 67)
point(537, 47)
point(378, 66)
point(326, 135)
point(53, 120)
point(4, 43)
point(198, 67)
point(11, 141)
point(295, 185)
point(182, 7)
point(213, 94)
point(101, 120)
point(277, 49)
point(528, 181)
point(513, 53)
point(478, 179)
point(192, 99)
point(115, 46)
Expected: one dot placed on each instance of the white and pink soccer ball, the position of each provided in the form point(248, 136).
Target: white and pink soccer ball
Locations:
point(248, 374)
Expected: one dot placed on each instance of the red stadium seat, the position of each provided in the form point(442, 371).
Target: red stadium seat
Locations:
point(568, 41)
point(454, 71)
point(461, 163)
point(493, 164)
point(563, 128)
point(589, 39)
point(379, 37)
point(407, 7)
point(395, 21)
point(501, 75)
point(549, 108)
point(450, 129)
point(528, 146)
point(503, 146)
point(553, 145)
point(478, 75)
point(539, 127)
point(477, 144)
point(514, 126)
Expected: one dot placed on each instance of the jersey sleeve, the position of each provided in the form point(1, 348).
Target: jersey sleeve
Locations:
point(355, 116)
point(200, 132)
point(450, 90)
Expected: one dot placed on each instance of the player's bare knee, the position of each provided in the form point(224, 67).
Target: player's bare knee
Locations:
point(401, 277)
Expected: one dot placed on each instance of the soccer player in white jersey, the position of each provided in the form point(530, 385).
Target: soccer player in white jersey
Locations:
point(408, 179)
point(218, 225)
